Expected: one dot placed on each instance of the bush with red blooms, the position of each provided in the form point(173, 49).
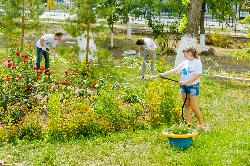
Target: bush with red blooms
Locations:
point(19, 81)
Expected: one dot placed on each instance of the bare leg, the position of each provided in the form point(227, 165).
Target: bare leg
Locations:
point(187, 109)
point(195, 108)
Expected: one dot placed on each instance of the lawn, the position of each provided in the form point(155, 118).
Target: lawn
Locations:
point(225, 108)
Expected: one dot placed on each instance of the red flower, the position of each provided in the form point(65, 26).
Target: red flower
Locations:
point(38, 77)
point(35, 67)
point(14, 67)
point(57, 83)
point(64, 82)
point(25, 60)
point(47, 69)
point(41, 70)
point(9, 64)
point(26, 56)
point(8, 78)
point(17, 53)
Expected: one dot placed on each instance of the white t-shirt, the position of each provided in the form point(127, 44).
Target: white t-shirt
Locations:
point(149, 43)
point(188, 69)
point(48, 41)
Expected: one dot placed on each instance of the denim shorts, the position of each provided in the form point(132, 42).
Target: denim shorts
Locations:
point(192, 90)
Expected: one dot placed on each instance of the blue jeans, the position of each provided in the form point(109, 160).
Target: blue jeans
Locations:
point(40, 52)
point(146, 60)
point(192, 90)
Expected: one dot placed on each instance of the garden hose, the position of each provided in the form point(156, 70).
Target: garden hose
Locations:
point(183, 105)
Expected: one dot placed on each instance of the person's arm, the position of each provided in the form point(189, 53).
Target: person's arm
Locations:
point(54, 53)
point(172, 71)
point(42, 43)
point(139, 50)
point(139, 53)
point(192, 79)
point(150, 53)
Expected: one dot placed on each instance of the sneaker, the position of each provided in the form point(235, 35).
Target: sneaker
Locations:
point(201, 127)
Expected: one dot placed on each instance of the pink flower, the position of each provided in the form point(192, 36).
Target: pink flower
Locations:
point(35, 67)
point(40, 71)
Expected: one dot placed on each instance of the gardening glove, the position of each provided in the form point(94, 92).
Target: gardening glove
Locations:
point(55, 56)
point(44, 49)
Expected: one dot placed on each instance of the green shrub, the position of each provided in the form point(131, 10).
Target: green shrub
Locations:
point(103, 56)
point(73, 118)
point(30, 131)
point(131, 96)
point(79, 109)
point(161, 101)
point(221, 40)
point(121, 109)
point(243, 54)
point(131, 61)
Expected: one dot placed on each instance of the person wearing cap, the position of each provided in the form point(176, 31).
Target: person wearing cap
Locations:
point(190, 71)
point(43, 45)
point(149, 54)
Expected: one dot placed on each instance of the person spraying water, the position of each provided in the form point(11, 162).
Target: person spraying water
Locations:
point(190, 70)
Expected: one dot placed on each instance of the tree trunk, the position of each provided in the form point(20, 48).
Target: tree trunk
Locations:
point(190, 38)
point(112, 35)
point(87, 45)
point(202, 29)
point(237, 8)
point(194, 15)
point(23, 24)
point(128, 27)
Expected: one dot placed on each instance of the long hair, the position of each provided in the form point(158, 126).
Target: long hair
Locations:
point(192, 50)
